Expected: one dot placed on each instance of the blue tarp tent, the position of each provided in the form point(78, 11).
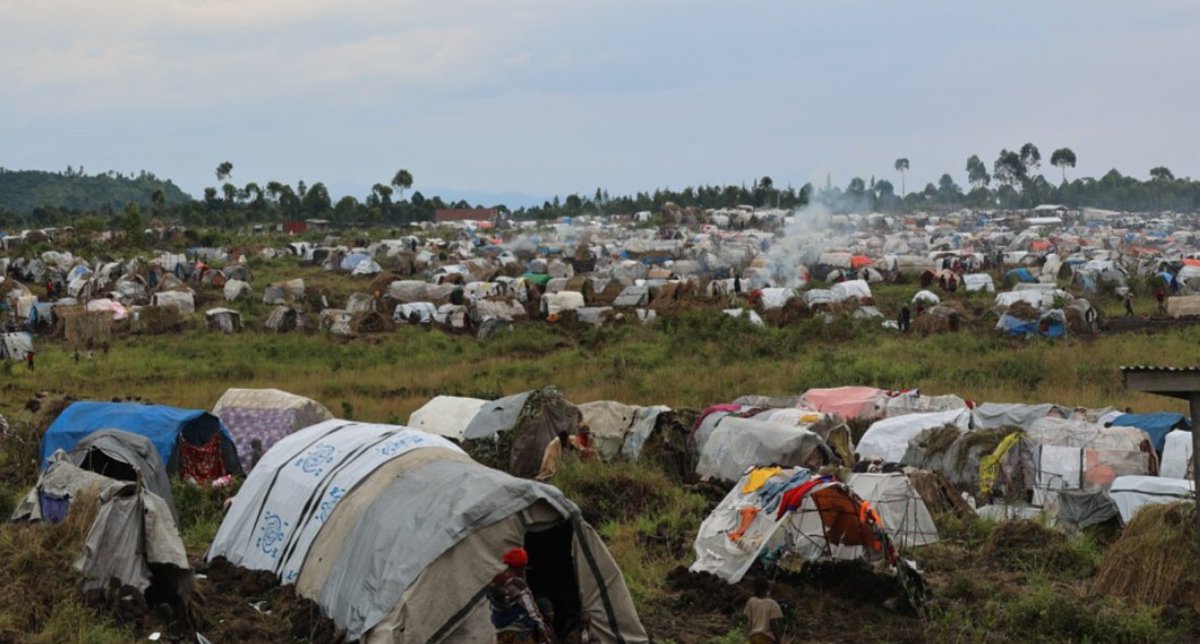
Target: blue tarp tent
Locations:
point(1050, 325)
point(351, 262)
point(1020, 275)
point(1156, 425)
point(164, 426)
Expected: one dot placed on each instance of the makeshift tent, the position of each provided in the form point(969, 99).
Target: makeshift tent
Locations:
point(446, 416)
point(192, 442)
point(888, 438)
point(284, 318)
point(396, 534)
point(1132, 493)
point(512, 433)
point(266, 415)
point(1157, 425)
point(1087, 456)
point(848, 402)
point(124, 457)
point(133, 530)
point(182, 300)
point(1177, 455)
point(994, 415)
point(772, 512)
point(739, 443)
point(15, 346)
point(905, 517)
point(236, 289)
point(223, 320)
point(284, 292)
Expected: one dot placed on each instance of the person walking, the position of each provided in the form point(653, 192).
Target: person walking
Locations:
point(905, 320)
point(1129, 304)
point(1160, 296)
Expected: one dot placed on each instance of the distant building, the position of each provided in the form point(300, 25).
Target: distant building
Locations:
point(295, 227)
point(319, 225)
point(466, 214)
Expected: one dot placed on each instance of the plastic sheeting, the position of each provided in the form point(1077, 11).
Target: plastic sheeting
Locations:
point(738, 444)
point(888, 438)
point(905, 516)
point(847, 402)
point(266, 415)
point(1132, 493)
point(994, 415)
point(1176, 455)
point(609, 422)
point(286, 499)
point(446, 416)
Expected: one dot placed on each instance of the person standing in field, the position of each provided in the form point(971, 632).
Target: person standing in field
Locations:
point(764, 615)
point(1129, 304)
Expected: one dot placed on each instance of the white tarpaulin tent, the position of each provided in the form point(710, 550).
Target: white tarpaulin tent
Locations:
point(1132, 493)
point(740, 443)
point(446, 416)
point(905, 516)
point(1177, 455)
point(888, 438)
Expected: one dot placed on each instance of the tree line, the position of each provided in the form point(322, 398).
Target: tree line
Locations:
point(1012, 180)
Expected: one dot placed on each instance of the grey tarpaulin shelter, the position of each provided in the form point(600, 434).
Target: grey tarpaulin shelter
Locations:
point(512, 433)
point(740, 443)
point(396, 534)
point(133, 538)
point(122, 456)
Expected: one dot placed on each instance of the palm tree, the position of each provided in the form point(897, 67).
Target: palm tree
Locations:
point(1063, 158)
point(902, 167)
point(402, 181)
point(224, 170)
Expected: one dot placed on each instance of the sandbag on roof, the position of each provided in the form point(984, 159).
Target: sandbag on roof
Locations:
point(446, 416)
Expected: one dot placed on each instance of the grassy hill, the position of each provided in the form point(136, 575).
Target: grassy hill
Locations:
point(24, 191)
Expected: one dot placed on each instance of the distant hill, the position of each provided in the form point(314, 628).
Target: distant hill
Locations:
point(23, 191)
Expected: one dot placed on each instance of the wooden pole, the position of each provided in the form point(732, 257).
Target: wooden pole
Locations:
point(1194, 409)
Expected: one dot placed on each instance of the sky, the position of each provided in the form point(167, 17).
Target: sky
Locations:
point(519, 100)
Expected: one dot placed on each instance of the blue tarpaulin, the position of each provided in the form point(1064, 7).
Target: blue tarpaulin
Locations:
point(1157, 425)
point(163, 426)
point(1020, 275)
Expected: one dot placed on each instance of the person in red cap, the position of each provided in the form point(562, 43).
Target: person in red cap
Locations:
point(515, 612)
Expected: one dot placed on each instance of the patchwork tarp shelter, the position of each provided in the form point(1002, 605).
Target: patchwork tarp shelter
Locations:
point(191, 442)
point(133, 530)
point(446, 416)
point(223, 320)
point(1157, 425)
point(776, 512)
point(396, 534)
point(266, 415)
point(610, 422)
point(511, 433)
point(124, 456)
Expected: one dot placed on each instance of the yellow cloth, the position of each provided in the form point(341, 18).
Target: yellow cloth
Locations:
point(760, 612)
point(989, 466)
point(759, 477)
point(550, 460)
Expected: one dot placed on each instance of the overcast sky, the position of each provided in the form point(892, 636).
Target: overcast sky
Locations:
point(546, 97)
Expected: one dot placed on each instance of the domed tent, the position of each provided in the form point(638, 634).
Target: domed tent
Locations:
point(124, 456)
point(191, 442)
point(267, 415)
point(397, 534)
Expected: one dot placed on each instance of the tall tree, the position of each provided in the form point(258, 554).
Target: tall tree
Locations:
point(977, 173)
point(402, 181)
point(902, 167)
point(1161, 173)
point(1063, 158)
point(224, 169)
point(1008, 168)
point(1030, 158)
